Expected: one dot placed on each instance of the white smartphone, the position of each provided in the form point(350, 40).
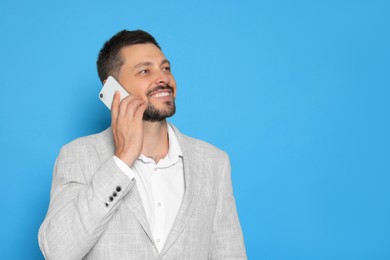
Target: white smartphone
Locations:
point(106, 95)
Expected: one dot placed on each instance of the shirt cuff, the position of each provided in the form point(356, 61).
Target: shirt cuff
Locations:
point(124, 167)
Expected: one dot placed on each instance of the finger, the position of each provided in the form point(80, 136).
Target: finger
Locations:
point(133, 106)
point(124, 104)
point(115, 106)
point(139, 113)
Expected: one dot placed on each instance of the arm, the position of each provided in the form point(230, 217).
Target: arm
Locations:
point(227, 241)
point(82, 203)
point(78, 213)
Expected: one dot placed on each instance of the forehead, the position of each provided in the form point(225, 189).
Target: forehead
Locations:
point(137, 53)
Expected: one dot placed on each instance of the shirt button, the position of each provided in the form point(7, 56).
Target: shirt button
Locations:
point(158, 240)
point(159, 204)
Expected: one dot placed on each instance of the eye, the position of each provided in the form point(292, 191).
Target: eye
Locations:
point(144, 71)
point(167, 68)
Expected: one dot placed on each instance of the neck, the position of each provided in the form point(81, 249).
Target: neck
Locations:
point(156, 142)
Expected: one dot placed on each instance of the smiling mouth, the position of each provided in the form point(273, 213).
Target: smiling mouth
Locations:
point(161, 91)
point(161, 94)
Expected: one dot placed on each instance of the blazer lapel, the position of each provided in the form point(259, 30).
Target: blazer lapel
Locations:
point(193, 184)
point(191, 158)
point(132, 200)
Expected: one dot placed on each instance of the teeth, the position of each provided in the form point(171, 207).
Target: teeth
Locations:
point(162, 94)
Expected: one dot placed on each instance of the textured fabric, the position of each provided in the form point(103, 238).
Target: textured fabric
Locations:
point(95, 210)
point(161, 188)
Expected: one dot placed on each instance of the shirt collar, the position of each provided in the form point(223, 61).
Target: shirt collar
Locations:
point(174, 150)
point(174, 146)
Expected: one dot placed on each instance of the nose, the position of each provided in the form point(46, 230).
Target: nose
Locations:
point(162, 78)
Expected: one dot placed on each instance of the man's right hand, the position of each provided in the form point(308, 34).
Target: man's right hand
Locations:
point(127, 127)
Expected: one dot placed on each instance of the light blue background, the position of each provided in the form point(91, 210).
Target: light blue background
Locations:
point(297, 92)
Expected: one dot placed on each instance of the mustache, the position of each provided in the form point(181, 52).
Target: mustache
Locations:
point(160, 87)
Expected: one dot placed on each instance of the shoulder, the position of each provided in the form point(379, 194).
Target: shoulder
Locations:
point(194, 145)
point(98, 138)
point(204, 146)
point(100, 143)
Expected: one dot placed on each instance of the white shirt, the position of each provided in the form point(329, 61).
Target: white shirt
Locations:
point(160, 186)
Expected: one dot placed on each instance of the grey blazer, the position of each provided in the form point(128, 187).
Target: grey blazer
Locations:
point(83, 222)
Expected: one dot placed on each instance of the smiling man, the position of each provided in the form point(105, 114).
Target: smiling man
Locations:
point(141, 189)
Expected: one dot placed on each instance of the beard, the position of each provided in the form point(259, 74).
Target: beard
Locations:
point(152, 114)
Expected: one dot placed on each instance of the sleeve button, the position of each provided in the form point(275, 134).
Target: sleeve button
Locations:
point(111, 198)
point(118, 188)
point(114, 194)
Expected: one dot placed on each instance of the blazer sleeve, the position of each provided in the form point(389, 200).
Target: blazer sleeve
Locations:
point(80, 207)
point(227, 240)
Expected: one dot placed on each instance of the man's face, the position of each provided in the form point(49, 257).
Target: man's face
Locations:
point(147, 73)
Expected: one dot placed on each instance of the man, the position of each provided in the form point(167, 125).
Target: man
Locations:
point(141, 189)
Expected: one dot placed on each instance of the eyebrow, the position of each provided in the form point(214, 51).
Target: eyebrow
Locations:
point(165, 61)
point(142, 64)
point(146, 64)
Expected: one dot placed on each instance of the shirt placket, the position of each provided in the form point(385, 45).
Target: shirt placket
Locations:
point(159, 206)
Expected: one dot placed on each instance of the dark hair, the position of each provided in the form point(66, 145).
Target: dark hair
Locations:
point(109, 60)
